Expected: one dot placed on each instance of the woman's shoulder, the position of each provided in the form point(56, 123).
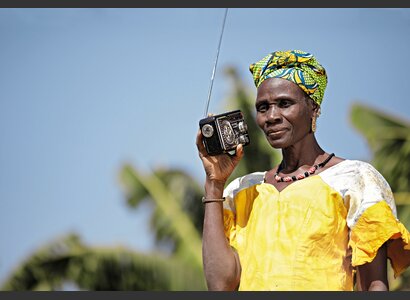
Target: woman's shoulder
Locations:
point(244, 182)
point(354, 175)
point(247, 180)
point(351, 166)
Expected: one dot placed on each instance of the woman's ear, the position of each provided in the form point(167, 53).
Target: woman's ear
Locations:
point(315, 115)
point(315, 108)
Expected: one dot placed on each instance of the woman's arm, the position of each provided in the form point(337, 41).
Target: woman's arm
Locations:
point(221, 263)
point(373, 276)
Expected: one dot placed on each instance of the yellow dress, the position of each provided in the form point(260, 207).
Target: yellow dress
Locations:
point(312, 234)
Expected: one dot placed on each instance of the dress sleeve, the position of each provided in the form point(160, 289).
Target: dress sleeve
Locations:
point(372, 219)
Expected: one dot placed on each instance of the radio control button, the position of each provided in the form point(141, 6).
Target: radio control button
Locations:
point(243, 139)
point(242, 127)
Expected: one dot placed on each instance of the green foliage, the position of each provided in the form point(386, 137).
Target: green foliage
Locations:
point(168, 207)
point(92, 268)
point(187, 191)
point(389, 140)
point(174, 194)
point(135, 192)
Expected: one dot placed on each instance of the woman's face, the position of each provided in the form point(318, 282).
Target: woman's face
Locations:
point(283, 111)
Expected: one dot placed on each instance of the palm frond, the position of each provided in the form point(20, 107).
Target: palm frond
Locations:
point(97, 268)
point(170, 208)
point(389, 139)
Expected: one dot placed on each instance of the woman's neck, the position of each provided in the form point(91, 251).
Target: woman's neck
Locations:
point(304, 153)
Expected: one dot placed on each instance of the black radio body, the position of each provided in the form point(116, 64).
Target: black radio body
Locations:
point(222, 133)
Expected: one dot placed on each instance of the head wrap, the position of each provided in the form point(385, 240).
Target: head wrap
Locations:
point(297, 66)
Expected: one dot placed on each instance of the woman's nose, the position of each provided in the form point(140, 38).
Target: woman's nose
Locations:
point(273, 114)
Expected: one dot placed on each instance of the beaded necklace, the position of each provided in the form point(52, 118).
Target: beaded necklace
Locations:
point(309, 172)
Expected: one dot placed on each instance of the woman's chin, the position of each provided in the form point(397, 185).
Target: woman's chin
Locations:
point(277, 143)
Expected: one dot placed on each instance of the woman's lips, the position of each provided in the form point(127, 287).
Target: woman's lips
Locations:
point(275, 133)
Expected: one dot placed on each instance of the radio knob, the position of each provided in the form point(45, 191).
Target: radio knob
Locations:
point(243, 139)
point(207, 130)
point(242, 127)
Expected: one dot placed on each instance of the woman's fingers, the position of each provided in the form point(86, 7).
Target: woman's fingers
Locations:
point(239, 153)
point(200, 144)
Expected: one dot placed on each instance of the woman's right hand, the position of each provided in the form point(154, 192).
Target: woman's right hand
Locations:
point(219, 167)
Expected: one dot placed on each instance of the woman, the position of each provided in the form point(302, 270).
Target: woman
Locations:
point(314, 222)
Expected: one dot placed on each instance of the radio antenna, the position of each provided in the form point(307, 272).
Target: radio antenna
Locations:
point(216, 62)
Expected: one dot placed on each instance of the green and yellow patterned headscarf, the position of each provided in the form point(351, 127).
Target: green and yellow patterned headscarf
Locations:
point(297, 66)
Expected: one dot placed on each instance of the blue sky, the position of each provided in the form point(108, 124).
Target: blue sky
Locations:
point(82, 91)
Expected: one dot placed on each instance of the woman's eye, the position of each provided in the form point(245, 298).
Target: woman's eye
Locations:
point(261, 108)
point(284, 103)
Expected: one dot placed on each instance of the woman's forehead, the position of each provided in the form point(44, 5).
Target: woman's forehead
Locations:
point(278, 87)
